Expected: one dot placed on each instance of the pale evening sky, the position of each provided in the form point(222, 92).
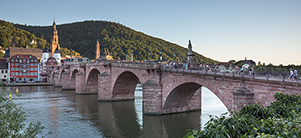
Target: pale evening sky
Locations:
point(263, 30)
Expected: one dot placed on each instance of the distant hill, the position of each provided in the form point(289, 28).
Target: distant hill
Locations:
point(10, 36)
point(113, 38)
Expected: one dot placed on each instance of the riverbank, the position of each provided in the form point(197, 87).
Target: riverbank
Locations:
point(30, 84)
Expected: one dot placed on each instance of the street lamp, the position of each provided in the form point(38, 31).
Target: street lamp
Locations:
point(175, 57)
point(160, 56)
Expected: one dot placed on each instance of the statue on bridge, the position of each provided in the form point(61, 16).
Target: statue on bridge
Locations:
point(189, 48)
point(190, 56)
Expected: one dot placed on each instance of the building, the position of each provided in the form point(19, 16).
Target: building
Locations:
point(51, 57)
point(24, 51)
point(54, 50)
point(104, 58)
point(23, 68)
point(54, 44)
point(3, 69)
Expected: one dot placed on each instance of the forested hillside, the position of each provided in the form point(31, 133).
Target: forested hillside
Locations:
point(114, 38)
point(11, 36)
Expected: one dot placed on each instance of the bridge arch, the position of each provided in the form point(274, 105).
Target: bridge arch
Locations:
point(52, 77)
point(92, 81)
point(73, 75)
point(181, 95)
point(124, 86)
point(61, 74)
point(183, 89)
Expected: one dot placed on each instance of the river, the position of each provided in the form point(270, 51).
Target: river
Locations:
point(65, 114)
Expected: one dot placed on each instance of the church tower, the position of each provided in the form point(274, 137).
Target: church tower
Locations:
point(97, 52)
point(54, 40)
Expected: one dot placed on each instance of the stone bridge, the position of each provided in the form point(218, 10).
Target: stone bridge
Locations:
point(167, 90)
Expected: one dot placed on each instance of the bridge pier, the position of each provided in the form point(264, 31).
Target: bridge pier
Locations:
point(66, 81)
point(242, 97)
point(80, 88)
point(152, 97)
point(56, 80)
point(105, 87)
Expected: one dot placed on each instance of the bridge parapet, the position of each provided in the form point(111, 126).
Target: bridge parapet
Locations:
point(136, 65)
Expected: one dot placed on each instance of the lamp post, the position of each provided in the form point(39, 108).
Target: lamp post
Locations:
point(175, 57)
point(160, 56)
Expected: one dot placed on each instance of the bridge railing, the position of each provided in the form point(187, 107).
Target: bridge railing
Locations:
point(280, 76)
point(136, 65)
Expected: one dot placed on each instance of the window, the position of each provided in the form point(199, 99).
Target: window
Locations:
point(5, 71)
point(12, 73)
point(24, 59)
point(12, 64)
point(29, 56)
point(12, 68)
point(17, 56)
point(4, 76)
point(2, 71)
point(35, 60)
point(17, 73)
point(31, 64)
point(17, 60)
point(16, 64)
point(12, 60)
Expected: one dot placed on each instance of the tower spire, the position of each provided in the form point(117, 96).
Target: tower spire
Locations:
point(97, 51)
point(54, 42)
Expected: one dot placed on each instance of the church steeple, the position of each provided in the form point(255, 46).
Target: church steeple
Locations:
point(54, 39)
point(97, 51)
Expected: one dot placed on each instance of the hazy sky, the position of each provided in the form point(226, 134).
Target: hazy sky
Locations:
point(263, 30)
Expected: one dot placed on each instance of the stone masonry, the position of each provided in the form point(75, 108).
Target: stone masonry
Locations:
point(167, 90)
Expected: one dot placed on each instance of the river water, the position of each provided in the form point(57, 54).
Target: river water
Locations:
point(65, 114)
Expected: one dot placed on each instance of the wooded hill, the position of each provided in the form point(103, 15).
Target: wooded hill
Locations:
point(115, 39)
point(10, 36)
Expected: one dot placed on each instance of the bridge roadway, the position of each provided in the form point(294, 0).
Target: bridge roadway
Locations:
point(168, 90)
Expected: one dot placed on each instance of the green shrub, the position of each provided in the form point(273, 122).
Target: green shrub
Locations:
point(12, 121)
point(281, 119)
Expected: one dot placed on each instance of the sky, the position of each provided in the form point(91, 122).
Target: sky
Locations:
point(268, 31)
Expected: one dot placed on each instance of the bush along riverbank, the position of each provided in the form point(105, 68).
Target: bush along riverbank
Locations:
point(281, 119)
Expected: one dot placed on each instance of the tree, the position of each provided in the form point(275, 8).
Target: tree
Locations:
point(12, 121)
point(259, 64)
point(281, 119)
point(232, 61)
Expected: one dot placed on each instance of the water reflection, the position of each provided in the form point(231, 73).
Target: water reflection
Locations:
point(68, 115)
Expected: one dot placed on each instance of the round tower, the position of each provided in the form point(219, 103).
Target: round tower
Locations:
point(57, 55)
point(45, 54)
